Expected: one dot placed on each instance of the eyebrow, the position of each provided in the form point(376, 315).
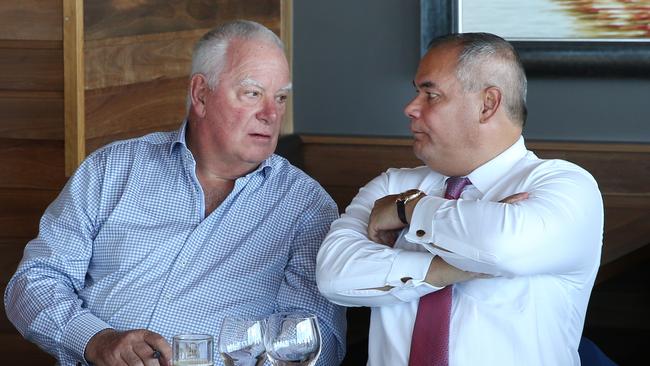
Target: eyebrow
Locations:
point(424, 85)
point(255, 83)
point(286, 88)
point(251, 82)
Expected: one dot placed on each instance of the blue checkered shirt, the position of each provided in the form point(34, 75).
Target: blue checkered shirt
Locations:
point(126, 245)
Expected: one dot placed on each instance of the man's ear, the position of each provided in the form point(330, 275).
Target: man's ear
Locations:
point(491, 103)
point(199, 90)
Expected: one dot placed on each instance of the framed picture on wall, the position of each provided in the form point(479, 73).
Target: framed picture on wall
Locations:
point(601, 38)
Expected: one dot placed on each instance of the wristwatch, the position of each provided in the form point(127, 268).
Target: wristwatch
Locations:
point(404, 198)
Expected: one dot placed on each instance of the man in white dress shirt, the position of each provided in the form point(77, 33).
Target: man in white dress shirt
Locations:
point(532, 226)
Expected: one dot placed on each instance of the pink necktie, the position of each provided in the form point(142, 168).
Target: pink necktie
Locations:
point(430, 340)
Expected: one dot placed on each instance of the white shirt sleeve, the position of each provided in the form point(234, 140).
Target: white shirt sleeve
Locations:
point(558, 229)
point(350, 268)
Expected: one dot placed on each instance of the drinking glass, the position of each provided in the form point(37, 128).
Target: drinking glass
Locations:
point(241, 342)
point(192, 349)
point(292, 338)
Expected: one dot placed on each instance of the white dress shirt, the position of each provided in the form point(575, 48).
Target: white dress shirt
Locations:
point(544, 253)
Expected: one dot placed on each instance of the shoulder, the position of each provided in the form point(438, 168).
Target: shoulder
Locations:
point(558, 170)
point(287, 178)
point(152, 141)
point(117, 158)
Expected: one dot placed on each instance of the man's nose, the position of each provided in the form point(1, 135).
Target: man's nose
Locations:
point(412, 109)
point(270, 112)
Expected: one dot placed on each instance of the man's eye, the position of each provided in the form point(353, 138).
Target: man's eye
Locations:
point(253, 93)
point(281, 99)
point(432, 96)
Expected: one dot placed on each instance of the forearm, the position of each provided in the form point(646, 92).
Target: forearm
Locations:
point(353, 271)
point(48, 313)
point(557, 229)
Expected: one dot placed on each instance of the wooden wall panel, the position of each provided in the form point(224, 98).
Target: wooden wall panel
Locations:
point(33, 66)
point(136, 59)
point(112, 114)
point(119, 18)
point(32, 115)
point(31, 164)
point(31, 141)
point(17, 351)
point(21, 210)
point(31, 20)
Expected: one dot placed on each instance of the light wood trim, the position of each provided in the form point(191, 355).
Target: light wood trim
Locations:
point(73, 66)
point(531, 144)
point(286, 33)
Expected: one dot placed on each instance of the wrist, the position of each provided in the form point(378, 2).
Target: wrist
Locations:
point(96, 341)
point(409, 208)
point(403, 201)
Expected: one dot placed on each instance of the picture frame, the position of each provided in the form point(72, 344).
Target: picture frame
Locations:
point(610, 58)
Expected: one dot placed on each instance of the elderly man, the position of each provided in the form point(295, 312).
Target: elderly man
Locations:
point(168, 233)
point(412, 242)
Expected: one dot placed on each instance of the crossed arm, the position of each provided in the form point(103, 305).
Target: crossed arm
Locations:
point(548, 229)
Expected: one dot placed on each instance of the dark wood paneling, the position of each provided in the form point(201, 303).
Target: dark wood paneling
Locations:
point(31, 20)
point(108, 19)
point(31, 164)
point(33, 66)
point(17, 351)
point(21, 209)
point(12, 253)
point(615, 171)
point(137, 59)
point(31, 115)
point(112, 114)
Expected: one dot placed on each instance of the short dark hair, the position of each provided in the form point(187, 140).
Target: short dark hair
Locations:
point(486, 60)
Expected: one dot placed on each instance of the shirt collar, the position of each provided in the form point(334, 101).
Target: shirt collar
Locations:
point(178, 139)
point(488, 174)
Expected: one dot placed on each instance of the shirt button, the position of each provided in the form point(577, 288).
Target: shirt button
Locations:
point(420, 233)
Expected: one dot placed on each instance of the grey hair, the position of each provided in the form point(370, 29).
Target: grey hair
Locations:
point(487, 60)
point(210, 52)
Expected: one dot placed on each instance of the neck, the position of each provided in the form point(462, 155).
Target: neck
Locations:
point(210, 163)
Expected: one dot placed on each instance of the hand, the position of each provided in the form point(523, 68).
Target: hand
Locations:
point(441, 274)
point(515, 197)
point(134, 347)
point(384, 224)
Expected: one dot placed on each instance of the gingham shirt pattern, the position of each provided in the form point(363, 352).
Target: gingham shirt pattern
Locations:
point(126, 245)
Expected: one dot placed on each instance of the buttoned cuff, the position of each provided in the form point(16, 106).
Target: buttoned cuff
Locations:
point(79, 332)
point(407, 275)
point(421, 227)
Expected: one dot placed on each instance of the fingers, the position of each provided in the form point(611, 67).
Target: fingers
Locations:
point(158, 343)
point(515, 197)
point(386, 237)
point(145, 355)
point(131, 348)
